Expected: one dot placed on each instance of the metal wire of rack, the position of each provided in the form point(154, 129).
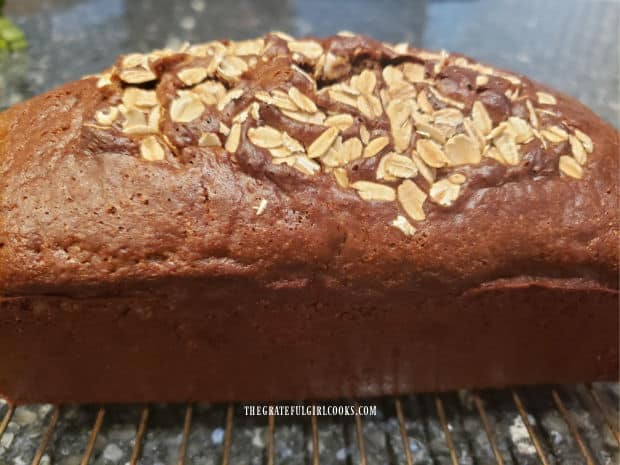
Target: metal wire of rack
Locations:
point(600, 404)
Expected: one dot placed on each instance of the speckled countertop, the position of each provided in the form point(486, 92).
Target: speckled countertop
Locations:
point(337, 436)
point(569, 44)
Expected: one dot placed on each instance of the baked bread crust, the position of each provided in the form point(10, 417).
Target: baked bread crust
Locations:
point(185, 179)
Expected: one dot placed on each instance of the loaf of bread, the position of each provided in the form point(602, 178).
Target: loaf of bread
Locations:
point(292, 219)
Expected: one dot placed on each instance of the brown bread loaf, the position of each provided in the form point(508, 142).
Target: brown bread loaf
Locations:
point(282, 218)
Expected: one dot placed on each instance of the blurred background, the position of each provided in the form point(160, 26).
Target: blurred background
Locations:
point(571, 45)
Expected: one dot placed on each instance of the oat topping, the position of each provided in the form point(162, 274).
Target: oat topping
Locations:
point(322, 143)
point(546, 99)
point(578, 151)
point(193, 76)
point(136, 69)
point(209, 139)
point(308, 48)
point(231, 68)
point(585, 140)
point(104, 80)
point(374, 191)
point(482, 80)
point(342, 121)
point(139, 99)
point(412, 199)
point(265, 137)
point(364, 134)
point(212, 93)
point(444, 192)
point(260, 208)
point(462, 150)
point(431, 153)
point(393, 166)
point(300, 101)
point(375, 146)
point(234, 136)
point(107, 117)
point(225, 130)
point(186, 108)
point(400, 118)
point(404, 225)
point(151, 149)
point(457, 178)
point(480, 118)
point(570, 167)
point(139, 121)
point(342, 178)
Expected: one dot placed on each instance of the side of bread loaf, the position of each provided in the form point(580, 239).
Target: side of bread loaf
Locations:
point(283, 218)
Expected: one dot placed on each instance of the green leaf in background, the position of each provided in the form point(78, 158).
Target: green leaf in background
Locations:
point(11, 37)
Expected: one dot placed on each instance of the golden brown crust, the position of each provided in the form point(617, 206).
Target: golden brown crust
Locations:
point(86, 203)
point(371, 248)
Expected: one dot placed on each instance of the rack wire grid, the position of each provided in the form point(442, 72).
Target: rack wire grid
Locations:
point(547, 425)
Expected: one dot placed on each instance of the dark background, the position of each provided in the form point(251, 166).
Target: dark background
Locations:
point(569, 44)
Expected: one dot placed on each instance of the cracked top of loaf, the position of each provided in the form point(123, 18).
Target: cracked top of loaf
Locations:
point(336, 162)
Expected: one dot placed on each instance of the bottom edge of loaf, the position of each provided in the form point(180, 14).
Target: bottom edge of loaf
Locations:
point(286, 346)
